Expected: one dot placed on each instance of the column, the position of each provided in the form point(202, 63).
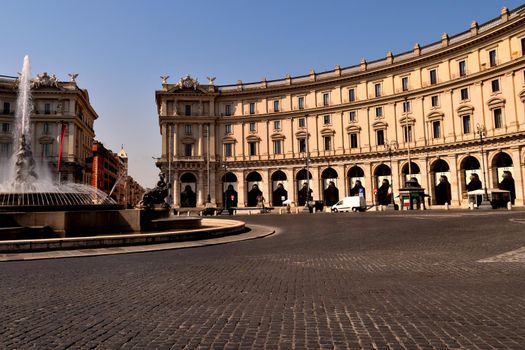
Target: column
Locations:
point(316, 188)
point(518, 176)
point(201, 188)
point(199, 140)
point(70, 139)
point(341, 180)
point(212, 141)
point(290, 184)
point(455, 180)
point(175, 149)
point(164, 141)
point(267, 187)
point(241, 188)
point(176, 189)
point(369, 183)
point(397, 177)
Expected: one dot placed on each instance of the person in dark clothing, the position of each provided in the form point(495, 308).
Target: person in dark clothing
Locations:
point(475, 184)
point(279, 195)
point(331, 194)
point(383, 195)
point(253, 196)
point(302, 195)
point(357, 189)
point(188, 198)
point(508, 184)
point(231, 199)
point(443, 192)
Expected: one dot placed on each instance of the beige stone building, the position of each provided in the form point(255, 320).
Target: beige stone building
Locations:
point(57, 106)
point(358, 122)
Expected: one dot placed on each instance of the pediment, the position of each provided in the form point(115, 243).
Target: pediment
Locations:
point(229, 139)
point(435, 116)
point(277, 136)
point(353, 128)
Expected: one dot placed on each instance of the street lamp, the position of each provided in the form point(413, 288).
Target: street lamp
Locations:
point(480, 129)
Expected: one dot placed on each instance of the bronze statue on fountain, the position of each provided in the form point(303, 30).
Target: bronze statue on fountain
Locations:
point(155, 198)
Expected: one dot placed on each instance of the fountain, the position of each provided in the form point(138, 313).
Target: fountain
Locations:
point(22, 189)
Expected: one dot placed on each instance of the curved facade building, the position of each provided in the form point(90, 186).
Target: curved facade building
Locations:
point(454, 107)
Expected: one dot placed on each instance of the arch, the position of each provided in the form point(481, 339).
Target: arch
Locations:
point(502, 160)
point(382, 170)
point(188, 194)
point(496, 102)
point(355, 171)
point(229, 177)
point(440, 166)
point(301, 175)
point(253, 176)
point(329, 173)
point(434, 116)
point(470, 163)
point(279, 175)
point(188, 177)
point(413, 167)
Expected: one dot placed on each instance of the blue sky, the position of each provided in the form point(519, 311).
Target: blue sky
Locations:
point(120, 48)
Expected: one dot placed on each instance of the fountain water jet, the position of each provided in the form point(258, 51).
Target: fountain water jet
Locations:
point(23, 190)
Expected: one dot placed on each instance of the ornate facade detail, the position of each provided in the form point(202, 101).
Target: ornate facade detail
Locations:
point(44, 80)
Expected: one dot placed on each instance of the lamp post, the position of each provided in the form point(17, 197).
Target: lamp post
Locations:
point(481, 132)
point(391, 147)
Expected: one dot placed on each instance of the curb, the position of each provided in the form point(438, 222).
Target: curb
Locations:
point(256, 231)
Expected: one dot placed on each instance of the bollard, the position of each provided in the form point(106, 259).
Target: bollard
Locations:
point(509, 206)
point(188, 213)
point(178, 213)
point(446, 206)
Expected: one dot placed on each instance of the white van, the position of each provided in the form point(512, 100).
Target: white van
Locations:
point(354, 203)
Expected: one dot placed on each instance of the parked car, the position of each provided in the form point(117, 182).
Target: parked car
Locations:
point(353, 203)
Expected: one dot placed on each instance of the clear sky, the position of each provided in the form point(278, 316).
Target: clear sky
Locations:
point(120, 48)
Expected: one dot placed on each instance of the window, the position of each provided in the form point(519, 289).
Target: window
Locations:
point(47, 108)
point(498, 118)
point(433, 76)
point(277, 124)
point(327, 141)
point(252, 148)
point(464, 94)
point(228, 149)
point(188, 149)
point(436, 129)
point(495, 85)
point(326, 119)
point(407, 133)
point(353, 116)
point(302, 122)
point(277, 147)
point(228, 110)
point(253, 126)
point(187, 110)
point(434, 100)
point(492, 58)
point(379, 112)
point(377, 90)
point(404, 83)
point(353, 140)
point(522, 46)
point(45, 129)
point(46, 149)
point(406, 106)
point(276, 106)
point(5, 149)
point(300, 102)
point(380, 137)
point(227, 129)
point(7, 108)
point(302, 145)
point(6, 127)
point(187, 129)
point(466, 124)
point(326, 99)
point(351, 95)
point(252, 107)
point(462, 68)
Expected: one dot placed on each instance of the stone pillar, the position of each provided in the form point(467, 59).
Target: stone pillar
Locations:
point(316, 188)
point(174, 140)
point(70, 139)
point(266, 186)
point(290, 184)
point(212, 141)
point(164, 141)
point(369, 183)
point(176, 189)
point(425, 175)
point(201, 188)
point(455, 180)
point(518, 176)
point(396, 177)
point(241, 185)
point(199, 140)
point(213, 198)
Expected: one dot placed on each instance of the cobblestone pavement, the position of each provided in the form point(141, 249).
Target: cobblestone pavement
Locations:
point(324, 281)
